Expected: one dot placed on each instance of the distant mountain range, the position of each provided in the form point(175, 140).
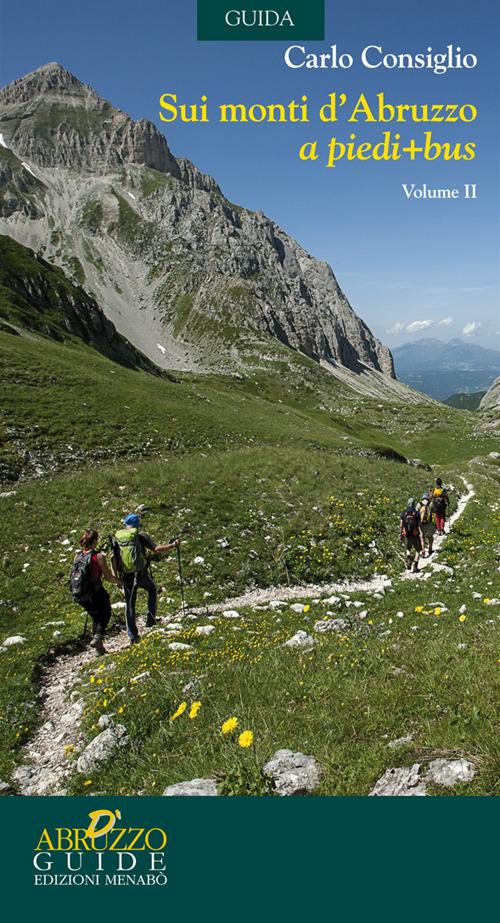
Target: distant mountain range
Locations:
point(441, 369)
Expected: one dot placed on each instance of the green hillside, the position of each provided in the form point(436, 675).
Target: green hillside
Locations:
point(292, 479)
point(465, 400)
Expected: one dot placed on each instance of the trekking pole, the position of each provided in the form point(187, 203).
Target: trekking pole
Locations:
point(179, 562)
point(84, 632)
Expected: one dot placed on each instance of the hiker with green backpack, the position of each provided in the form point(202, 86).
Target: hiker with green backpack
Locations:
point(130, 560)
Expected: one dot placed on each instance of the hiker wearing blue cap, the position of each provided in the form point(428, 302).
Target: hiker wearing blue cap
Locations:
point(130, 550)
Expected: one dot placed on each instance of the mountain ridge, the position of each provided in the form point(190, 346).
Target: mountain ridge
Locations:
point(191, 279)
point(441, 369)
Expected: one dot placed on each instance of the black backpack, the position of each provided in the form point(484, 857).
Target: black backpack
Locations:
point(410, 522)
point(81, 585)
point(439, 504)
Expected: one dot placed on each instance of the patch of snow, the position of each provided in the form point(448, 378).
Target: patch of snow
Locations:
point(28, 168)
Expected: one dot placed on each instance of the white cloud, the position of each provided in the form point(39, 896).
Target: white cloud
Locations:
point(419, 325)
point(445, 322)
point(471, 328)
point(396, 328)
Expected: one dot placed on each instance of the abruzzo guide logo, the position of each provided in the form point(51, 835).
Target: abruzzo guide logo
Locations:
point(106, 852)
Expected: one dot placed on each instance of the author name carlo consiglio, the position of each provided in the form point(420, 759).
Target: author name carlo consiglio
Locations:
point(375, 56)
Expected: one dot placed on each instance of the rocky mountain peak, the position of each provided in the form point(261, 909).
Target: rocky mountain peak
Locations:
point(208, 284)
point(50, 80)
point(52, 119)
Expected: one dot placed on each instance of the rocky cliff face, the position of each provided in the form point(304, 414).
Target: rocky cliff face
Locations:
point(191, 279)
point(491, 399)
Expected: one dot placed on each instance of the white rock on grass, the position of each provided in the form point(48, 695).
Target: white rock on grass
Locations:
point(412, 780)
point(301, 639)
point(13, 640)
point(492, 602)
point(140, 677)
point(449, 772)
point(442, 568)
point(403, 780)
point(293, 773)
point(277, 604)
point(204, 629)
point(332, 601)
point(193, 686)
point(400, 741)
point(101, 748)
point(179, 646)
point(231, 614)
point(297, 607)
point(330, 625)
point(462, 609)
point(206, 787)
point(118, 605)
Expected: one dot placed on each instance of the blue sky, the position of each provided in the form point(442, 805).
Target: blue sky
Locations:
point(402, 263)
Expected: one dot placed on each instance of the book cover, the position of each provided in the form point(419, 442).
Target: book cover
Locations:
point(249, 456)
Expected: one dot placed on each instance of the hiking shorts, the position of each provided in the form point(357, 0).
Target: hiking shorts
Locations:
point(428, 529)
point(413, 543)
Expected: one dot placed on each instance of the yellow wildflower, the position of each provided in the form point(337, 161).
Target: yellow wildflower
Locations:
point(306, 608)
point(246, 739)
point(230, 725)
point(180, 711)
point(461, 618)
point(419, 608)
point(193, 711)
point(88, 782)
point(486, 600)
point(437, 610)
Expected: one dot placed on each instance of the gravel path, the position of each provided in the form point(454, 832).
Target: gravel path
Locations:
point(45, 764)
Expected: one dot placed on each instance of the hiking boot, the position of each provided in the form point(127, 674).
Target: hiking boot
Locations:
point(151, 621)
point(415, 568)
point(135, 640)
point(408, 565)
point(98, 645)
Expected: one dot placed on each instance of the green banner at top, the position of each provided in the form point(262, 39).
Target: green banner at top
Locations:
point(223, 20)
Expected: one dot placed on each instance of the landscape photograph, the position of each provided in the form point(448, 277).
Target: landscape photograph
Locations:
point(248, 548)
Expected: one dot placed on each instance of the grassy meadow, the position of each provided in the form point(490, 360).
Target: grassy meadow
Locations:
point(273, 481)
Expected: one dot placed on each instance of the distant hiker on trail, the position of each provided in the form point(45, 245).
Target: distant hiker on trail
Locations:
point(89, 567)
point(439, 505)
point(427, 524)
point(409, 532)
point(130, 547)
